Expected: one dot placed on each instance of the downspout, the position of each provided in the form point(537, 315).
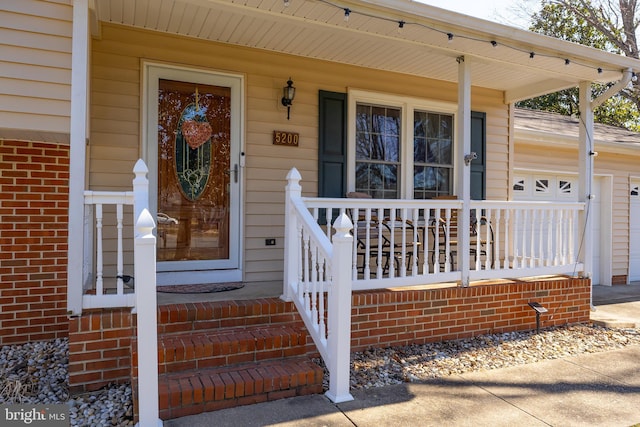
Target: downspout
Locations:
point(586, 153)
point(627, 75)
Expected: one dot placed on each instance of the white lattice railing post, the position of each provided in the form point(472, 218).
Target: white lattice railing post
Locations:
point(144, 259)
point(339, 312)
point(291, 237)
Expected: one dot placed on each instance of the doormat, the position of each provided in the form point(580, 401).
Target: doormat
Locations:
point(201, 288)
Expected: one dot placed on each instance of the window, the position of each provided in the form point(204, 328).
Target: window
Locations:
point(378, 134)
point(400, 147)
point(519, 185)
point(432, 154)
point(542, 186)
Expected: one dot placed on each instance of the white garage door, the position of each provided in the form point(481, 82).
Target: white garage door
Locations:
point(634, 231)
point(553, 187)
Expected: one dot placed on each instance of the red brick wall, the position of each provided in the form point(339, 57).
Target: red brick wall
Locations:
point(100, 348)
point(388, 318)
point(100, 341)
point(34, 183)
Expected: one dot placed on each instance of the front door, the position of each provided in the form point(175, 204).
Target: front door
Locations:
point(193, 146)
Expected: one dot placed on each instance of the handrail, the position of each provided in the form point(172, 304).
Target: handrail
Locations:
point(507, 240)
point(96, 203)
point(317, 279)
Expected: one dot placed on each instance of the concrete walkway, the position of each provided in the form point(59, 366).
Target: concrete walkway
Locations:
point(600, 389)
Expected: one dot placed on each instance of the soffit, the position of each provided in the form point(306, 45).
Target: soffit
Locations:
point(371, 38)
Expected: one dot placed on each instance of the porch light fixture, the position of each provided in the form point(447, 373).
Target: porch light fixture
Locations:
point(347, 12)
point(532, 55)
point(450, 37)
point(288, 93)
point(494, 43)
point(539, 309)
point(567, 62)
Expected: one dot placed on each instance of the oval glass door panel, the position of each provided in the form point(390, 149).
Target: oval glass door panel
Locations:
point(194, 160)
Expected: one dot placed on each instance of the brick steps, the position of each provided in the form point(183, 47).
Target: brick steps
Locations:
point(198, 350)
point(215, 355)
point(193, 392)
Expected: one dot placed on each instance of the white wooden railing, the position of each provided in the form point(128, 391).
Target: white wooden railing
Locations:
point(507, 239)
point(335, 246)
point(142, 296)
point(109, 239)
point(318, 280)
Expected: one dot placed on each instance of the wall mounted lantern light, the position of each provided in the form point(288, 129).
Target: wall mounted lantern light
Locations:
point(288, 93)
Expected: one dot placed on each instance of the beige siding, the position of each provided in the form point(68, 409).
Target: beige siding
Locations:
point(115, 128)
point(35, 75)
point(620, 166)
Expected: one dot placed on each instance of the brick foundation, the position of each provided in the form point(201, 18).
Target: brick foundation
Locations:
point(100, 341)
point(34, 187)
point(100, 349)
point(390, 318)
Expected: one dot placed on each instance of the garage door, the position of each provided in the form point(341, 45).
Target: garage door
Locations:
point(634, 231)
point(554, 187)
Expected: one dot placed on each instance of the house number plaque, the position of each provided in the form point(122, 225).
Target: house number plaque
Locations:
point(285, 138)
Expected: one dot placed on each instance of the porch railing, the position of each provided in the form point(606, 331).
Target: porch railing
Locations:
point(317, 280)
point(335, 246)
point(415, 242)
point(109, 240)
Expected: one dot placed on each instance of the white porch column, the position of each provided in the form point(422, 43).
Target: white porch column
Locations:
point(463, 134)
point(585, 181)
point(78, 138)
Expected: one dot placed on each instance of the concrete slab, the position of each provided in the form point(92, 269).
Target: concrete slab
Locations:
point(304, 411)
point(562, 392)
point(450, 402)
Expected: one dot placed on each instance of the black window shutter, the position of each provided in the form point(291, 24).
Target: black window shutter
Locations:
point(478, 145)
point(332, 144)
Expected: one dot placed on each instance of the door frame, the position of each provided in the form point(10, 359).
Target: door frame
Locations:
point(192, 272)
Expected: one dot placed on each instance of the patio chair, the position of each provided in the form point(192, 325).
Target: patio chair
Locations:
point(476, 229)
point(402, 231)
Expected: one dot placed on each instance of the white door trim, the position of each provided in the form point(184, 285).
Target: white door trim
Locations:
point(190, 272)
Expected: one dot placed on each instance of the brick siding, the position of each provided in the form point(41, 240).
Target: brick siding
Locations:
point(389, 318)
point(100, 342)
point(100, 348)
point(34, 184)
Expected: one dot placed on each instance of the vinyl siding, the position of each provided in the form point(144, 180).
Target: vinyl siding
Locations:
point(115, 121)
point(35, 68)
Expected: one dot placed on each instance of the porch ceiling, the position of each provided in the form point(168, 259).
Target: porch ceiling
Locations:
point(371, 38)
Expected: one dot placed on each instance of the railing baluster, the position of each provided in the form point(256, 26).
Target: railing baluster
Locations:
point(379, 217)
point(314, 284)
point(321, 311)
point(571, 238)
point(99, 254)
point(119, 256)
point(300, 255)
point(436, 252)
point(549, 255)
point(305, 268)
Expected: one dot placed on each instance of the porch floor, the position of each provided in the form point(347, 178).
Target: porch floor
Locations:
point(250, 291)
point(273, 289)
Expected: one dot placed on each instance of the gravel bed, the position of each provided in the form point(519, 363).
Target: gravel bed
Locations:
point(37, 373)
point(378, 367)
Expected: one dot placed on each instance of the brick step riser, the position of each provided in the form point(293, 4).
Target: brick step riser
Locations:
point(210, 390)
point(179, 318)
point(203, 350)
